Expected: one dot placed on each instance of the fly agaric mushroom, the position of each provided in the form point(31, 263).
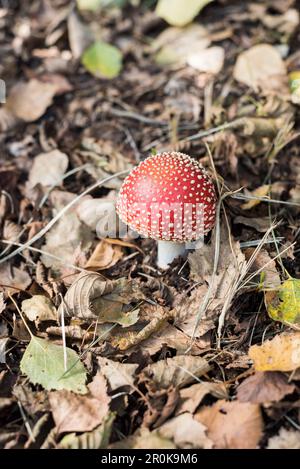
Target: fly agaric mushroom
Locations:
point(168, 197)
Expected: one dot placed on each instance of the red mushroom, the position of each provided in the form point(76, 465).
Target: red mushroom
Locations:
point(168, 197)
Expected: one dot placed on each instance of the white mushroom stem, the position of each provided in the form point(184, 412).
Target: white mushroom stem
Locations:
point(168, 251)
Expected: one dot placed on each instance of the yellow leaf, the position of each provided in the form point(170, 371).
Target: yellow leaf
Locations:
point(261, 191)
point(179, 12)
point(279, 354)
point(284, 304)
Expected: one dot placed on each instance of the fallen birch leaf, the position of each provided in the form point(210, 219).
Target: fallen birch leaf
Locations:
point(43, 363)
point(209, 60)
point(96, 439)
point(102, 60)
point(263, 387)
point(48, 168)
point(178, 13)
point(258, 65)
point(13, 279)
point(176, 45)
point(177, 371)
point(282, 353)
point(186, 432)
point(117, 374)
point(39, 308)
point(192, 396)
point(29, 101)
point(232, 425)
point(76, 413)
point(284, 304)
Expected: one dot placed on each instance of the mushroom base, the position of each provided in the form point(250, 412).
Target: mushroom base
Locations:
point(167, 251)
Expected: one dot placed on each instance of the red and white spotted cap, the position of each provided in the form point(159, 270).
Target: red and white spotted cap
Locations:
point(168, 196)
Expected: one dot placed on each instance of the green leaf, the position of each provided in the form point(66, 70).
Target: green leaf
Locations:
point(97, 439)
point(102, 60)
point(180, 12)
point(43, 363)
point(284, 304)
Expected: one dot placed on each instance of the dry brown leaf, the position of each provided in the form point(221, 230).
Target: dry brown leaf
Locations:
point(185, 313)
point(186, 432)
point(263, 387)
point(192, 396)
point(48, 168)
point(99, 215)
point(172, 337)
point(39, 308)
point(104, 256)
point(120, 242)
point(75, 413)
point(117, 374)
point(268, 274)
point(11, 277)
point(282, 353)
point(232, 425)
point(257, 66)
point(177, 371)
point(261, 224)
point(69, 240)
point(28, 101)
point(286, 439)
point(144, 439)
point(91, 297)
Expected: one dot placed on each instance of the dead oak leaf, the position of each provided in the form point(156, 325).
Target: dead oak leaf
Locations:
point(282, 353)
point(232, 425)
point(76, 413)
point(263, 387)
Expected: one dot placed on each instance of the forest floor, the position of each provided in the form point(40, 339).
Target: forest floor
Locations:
point(98, 347)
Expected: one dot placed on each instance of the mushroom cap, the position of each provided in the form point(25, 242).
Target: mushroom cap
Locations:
point(168, 196)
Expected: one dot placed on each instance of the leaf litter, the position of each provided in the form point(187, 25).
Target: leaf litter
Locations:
point(206, 353)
